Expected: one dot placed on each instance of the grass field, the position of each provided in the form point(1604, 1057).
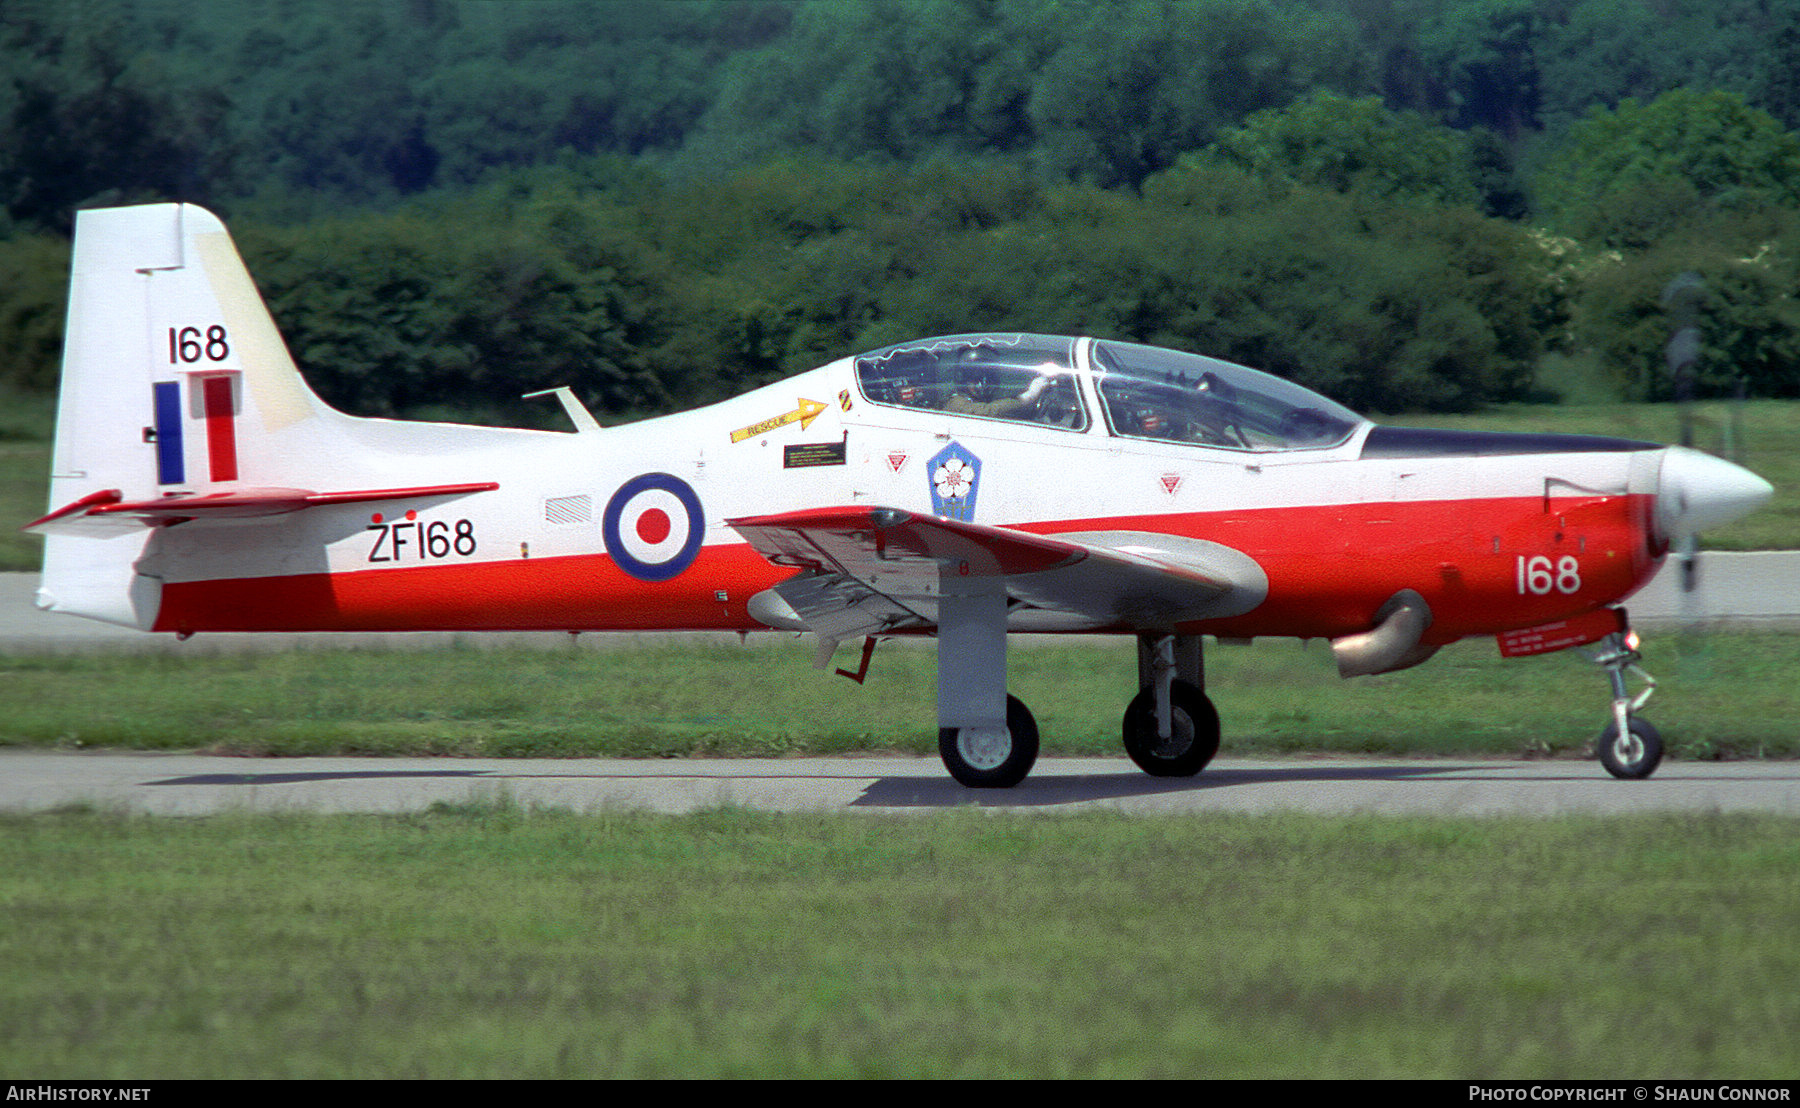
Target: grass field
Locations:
point(1720, 696)
point(492, 941)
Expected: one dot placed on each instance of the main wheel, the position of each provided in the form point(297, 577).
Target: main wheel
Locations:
point(992, 760)
point(1193, 732)
point(1633, 755)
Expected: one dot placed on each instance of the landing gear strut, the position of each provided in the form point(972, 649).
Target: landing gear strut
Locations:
point(1629, 747)
point(1171, 729)
point(986, 736)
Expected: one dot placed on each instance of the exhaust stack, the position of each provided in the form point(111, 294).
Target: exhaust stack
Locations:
point(1393, 644)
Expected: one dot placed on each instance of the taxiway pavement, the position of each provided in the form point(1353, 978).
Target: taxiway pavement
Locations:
point(189, 785)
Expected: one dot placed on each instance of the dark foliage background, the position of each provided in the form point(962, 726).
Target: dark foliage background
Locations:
point(1409, 204)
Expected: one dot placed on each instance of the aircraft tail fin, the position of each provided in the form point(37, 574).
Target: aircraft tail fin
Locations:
point(171, 356)
point(175, 382)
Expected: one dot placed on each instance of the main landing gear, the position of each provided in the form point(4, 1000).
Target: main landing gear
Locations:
point(986, 738)
point(989, 757)
point(1170, 730)
point(1629, 747)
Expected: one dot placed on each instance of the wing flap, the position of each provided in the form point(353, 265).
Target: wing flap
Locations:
point(835, 606)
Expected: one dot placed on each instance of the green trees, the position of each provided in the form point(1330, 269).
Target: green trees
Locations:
point(84, 115)
point(451, 202)
point(867, 79)
point(1748, 272)
point(1385, 306)
point(1355, 146)
point(1133, 86)
point(34, 297)
point(364, 102)
point(1689, 182)
point(463, 306)
point(1628, 175)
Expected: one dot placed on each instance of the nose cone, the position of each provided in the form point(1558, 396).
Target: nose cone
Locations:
point(1697, 492)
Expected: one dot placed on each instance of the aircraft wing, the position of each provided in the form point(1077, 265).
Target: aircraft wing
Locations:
point(870, 571)
point(107, 512)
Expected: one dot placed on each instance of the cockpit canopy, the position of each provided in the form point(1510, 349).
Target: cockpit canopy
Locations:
point(1149, 392)
point(1144, 392)
point(980, 375)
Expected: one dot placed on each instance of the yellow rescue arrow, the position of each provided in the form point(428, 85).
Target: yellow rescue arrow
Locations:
point(807, 412)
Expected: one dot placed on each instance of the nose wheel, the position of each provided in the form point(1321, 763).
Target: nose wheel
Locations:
point(1629, 747)
point(1632, 753)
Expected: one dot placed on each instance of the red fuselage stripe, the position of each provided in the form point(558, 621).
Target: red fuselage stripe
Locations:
point(1329, 569)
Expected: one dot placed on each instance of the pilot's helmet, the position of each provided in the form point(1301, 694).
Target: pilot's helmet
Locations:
point(976, 377)
point(1211, 387)
point(1152, 422)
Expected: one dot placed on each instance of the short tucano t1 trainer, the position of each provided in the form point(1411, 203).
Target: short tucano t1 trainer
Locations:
point(962, 487)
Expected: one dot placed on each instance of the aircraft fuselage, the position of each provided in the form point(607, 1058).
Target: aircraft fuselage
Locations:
point(587, 531)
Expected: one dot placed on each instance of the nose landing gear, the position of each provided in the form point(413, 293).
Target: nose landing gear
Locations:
point(1629, 747)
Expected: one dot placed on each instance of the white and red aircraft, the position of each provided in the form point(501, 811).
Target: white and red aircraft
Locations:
point(963, 487)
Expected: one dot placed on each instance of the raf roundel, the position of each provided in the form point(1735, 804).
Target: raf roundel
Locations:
point(653, 526)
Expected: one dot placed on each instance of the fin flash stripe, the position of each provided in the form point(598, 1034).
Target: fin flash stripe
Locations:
point(221, 428)
point(171, 469)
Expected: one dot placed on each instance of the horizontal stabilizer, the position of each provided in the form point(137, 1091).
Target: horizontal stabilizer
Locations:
point(108, 513)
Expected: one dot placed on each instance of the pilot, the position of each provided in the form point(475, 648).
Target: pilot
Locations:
point(980, 395)
point(1212, 388)
point(1215, 413)
point(1156, 424)
point(1141, 411)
